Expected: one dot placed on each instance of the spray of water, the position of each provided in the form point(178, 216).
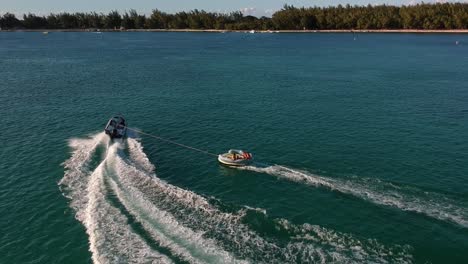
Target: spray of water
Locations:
point(182, 226)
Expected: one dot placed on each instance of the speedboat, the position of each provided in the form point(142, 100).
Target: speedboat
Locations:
point(116, 127)
point(235, 157)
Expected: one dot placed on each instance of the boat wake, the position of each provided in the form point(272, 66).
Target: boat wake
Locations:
point(132, 216)
point(411, 199)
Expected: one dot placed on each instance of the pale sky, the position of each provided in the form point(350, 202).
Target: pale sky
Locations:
point(248, 7)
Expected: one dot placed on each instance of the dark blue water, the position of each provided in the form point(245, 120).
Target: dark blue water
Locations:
point(360, 146)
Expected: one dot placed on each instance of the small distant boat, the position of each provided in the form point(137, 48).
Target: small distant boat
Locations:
point(116, 127)
point(45, 32)
point(252, 31)
point(235, 157)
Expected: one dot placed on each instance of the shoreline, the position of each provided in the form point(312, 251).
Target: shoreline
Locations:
point(453, 31)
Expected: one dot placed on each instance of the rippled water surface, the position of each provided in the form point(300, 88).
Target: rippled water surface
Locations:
point(360, 148)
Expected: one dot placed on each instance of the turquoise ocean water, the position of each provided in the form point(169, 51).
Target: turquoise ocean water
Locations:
point(360, 146)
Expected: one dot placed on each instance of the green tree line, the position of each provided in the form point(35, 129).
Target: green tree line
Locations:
point(421, 16)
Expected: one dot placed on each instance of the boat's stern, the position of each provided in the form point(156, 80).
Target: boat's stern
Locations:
point(116, 127)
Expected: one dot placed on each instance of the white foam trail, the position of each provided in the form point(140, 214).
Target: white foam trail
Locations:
point(430, 204)
point(111, 239)
point(75, 179)
point(138, 156)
